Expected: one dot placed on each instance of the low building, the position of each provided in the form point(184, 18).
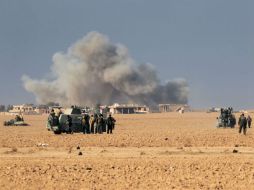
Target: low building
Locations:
point(173, 107)
point(42, 109)
point(128, 109)
point(23, 109)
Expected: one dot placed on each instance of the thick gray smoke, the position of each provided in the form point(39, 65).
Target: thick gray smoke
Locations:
point(94, 70)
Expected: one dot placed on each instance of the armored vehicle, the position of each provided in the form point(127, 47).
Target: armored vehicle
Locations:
point(60, 124)
point(18, 121)
point(226, 118)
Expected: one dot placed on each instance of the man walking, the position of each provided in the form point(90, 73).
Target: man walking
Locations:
point(242, 122)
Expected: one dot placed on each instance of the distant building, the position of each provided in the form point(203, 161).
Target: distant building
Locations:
point(23, 109)
point(213, 109)
point(128, 109)
point(42, 109)
point(173, 107)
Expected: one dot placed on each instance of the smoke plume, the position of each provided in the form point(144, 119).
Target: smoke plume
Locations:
point(95, 70)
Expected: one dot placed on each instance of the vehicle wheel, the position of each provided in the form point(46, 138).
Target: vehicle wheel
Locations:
point(57, 132)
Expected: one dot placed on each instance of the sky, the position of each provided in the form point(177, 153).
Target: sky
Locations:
point(209, 43)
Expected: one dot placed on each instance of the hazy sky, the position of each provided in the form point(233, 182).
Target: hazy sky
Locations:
point(210, 43)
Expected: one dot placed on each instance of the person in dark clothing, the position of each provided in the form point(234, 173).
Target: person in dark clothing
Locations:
point(69, 120)
point(114, 122)
point(110, 123)
point(100, 124)
point(242, 122)
point(249, 120)
point(51, 116)
point(232, 121)
point(18, 118)
point(85, 124)
point(92, 121)
point(96, 123)
point(53, 119)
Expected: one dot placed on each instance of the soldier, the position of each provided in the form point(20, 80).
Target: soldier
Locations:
point(110, 124)
point(52, 112)
point(114, 122)
point(85, 124)
point(95, 123)
point(100, 124)
point(232, 121)
point(92, 121)
point(69, 120)
point(51, 117)
point(242, 122)
point(18, 118)
point(59, 113)
point(249, 120)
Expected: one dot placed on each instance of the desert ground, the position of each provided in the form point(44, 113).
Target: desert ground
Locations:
point(145, 151)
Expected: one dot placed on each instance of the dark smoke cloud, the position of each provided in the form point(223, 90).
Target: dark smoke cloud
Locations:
point(94, 70)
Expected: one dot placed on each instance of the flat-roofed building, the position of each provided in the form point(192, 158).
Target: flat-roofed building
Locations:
point(128, 109)
point(173, 107)
point(42, 109)
point(23, 109)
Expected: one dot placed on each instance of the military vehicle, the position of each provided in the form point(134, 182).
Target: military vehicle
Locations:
point(226, 118)
point(18, 121)
point(61, 124)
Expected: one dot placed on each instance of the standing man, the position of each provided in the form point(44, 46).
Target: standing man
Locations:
point(96, 123)
point(110, 123)
point(249, 120)
point(85, 126)
point(59, 113)
point(92, 121)
point(242, 122)
point(100, 124)
point(69, 120)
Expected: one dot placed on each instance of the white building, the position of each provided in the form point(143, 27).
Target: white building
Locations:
point(23, 109)
point(174, 107)
point(128, 109)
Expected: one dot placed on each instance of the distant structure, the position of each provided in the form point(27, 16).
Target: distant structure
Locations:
point(42, 109)
point(128, 109)
point(30, 109)
point(23, 109)
point(173, 108)
point(213, 109)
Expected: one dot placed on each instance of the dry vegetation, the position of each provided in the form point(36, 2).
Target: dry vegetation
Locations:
point(163, 151)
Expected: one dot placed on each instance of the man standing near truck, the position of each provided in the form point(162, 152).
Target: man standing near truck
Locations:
point(110, 123)
point(242, 122)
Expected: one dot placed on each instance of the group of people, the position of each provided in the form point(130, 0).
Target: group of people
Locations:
point(19, 118)
point(227, 118)
point(97, 124)
point(243, 123)
point(88, 124)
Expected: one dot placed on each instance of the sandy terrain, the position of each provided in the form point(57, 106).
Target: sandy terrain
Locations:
point(153, 151)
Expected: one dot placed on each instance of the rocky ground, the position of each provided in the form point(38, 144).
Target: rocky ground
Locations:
point(152, 151)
